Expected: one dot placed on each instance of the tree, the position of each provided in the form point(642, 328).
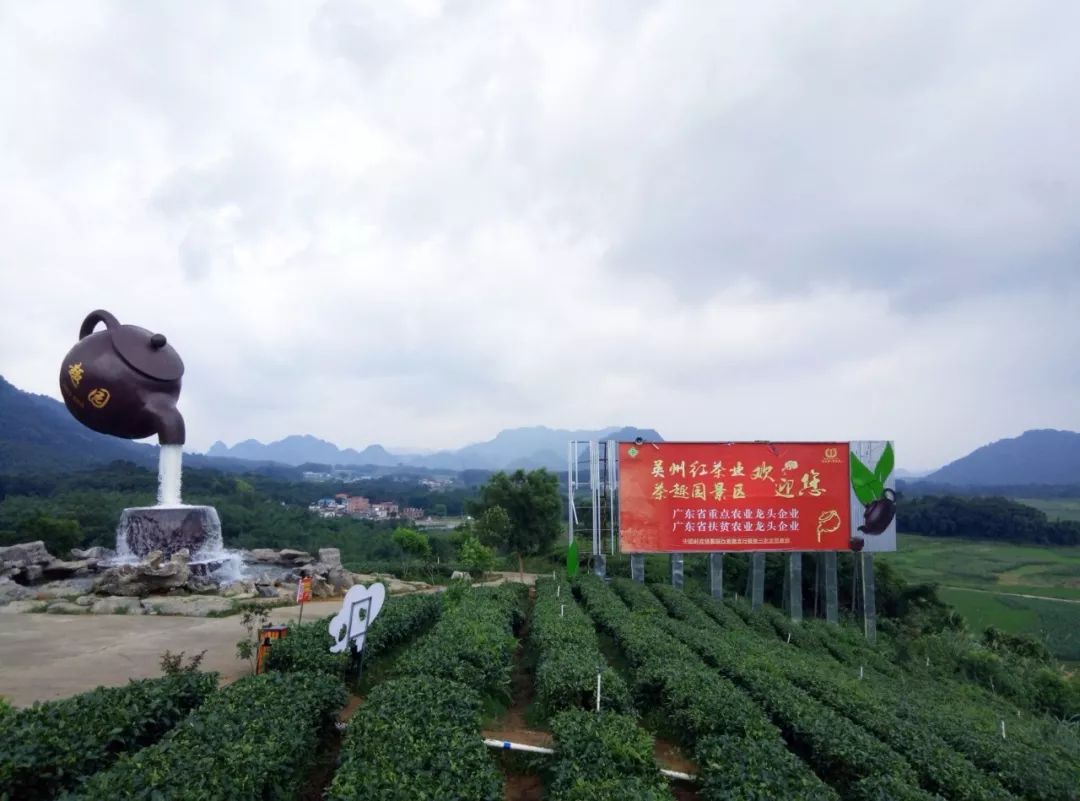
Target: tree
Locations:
point(413, 543)
point(439, 510)
point(476, 557)
point(533, 505)
point(493, 527)
point(247, 648)
point(59, 536)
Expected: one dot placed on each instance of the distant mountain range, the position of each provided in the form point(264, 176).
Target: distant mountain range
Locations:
point(38, 433)
point(528, 448)
point(1040, 456)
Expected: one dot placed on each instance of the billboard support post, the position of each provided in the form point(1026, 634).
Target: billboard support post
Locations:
point(869, 605)
point(832, 603)
point(757, 580)
point(677, 570)
point(794, 583)
point(716, 575)
point(637, 567)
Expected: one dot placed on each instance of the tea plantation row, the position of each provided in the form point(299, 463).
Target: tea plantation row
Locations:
point(899, 732)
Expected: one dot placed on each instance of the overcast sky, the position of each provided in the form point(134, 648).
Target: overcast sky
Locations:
point(417, 223)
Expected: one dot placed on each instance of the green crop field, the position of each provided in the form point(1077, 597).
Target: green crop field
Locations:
point(1051, 572)
point(985, 581)
point(749, 705)
point(1055, 508)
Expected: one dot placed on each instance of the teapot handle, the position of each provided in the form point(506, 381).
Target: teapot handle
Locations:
point(95, 317)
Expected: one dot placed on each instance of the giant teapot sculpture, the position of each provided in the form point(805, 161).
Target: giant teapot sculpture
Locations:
point(123, 381)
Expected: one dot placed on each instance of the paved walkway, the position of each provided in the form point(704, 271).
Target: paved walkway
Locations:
point(44, 656)
point(53, 656)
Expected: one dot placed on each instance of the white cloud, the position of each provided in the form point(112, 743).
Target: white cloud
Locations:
point(422, 222)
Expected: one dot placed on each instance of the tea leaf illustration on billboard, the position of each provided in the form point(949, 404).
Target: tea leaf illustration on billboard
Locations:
point(884, 466)
point(868, 487)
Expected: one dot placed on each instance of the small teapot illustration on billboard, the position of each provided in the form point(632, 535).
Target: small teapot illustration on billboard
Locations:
point(879, 513)
point(123, 381)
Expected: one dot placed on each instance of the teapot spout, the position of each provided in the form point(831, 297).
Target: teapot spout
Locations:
point(168, 421)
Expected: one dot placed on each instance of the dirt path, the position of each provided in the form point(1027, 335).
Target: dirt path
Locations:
point(1013, 594)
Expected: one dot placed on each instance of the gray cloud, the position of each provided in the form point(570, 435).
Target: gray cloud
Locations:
point(423, 221)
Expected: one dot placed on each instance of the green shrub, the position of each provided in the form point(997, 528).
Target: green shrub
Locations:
point(696, 702)
point(889, 788)
point(602, 756)
point(307, 646)
point(473, 642)
point(53, 746)
point(739, 769)
point(568, 654)
point(253, 741)
point(416, 738)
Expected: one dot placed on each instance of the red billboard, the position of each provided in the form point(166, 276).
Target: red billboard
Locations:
point(738, 496)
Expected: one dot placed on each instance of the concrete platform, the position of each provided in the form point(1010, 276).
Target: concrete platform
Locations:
point(46, 656)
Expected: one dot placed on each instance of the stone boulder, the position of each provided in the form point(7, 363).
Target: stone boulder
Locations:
point(21, 607)
point(202, 585)
point(10, 591)
point(266, 590)
point(321, 588)
point(58, 568)
point(238, 588)
point(26, 553)
point(460, 575)
point(331, 557)
point(31, 574)
point(267, 556)
point(190, 606)
point(153, 576)
point(340, 579)
point(67, 608)
point(65, 588)
point(117, 606)
point(287, 557)
point(97, 552)
point(24, 561)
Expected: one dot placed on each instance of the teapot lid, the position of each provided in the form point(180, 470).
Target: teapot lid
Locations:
point(146, 352)
point(149, 353)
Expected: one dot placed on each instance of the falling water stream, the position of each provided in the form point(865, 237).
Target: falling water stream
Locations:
point(170, 462)
point(172, 524)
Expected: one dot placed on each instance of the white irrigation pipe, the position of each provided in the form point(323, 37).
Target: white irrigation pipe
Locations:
point(506, 745)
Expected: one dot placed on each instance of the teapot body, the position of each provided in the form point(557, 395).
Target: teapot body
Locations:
point(879, 514)
point(132, 397)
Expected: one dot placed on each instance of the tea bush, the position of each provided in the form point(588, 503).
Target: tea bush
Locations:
point(695, 701)
point(737, 769)
point(934, 724)
point(416, 737)
point(473, 642)
point(603, 756)
point(307, 646)
point(253, 741)
point(53, 746)
point(568, 655)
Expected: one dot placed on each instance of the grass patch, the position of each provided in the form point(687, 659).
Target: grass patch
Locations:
point(1055, 508)
point(1049, 571)
point(1055, 623)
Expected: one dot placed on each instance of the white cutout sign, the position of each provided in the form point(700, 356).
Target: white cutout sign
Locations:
point(360, 607)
